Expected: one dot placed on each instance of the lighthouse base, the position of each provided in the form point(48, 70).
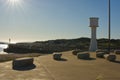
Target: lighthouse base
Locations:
point(93, 45)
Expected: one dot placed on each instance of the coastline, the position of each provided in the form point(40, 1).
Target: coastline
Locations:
point(2, 47)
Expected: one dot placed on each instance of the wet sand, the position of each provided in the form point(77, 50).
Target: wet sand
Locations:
point(69, 68)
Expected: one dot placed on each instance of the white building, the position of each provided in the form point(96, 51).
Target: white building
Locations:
point(93, 25)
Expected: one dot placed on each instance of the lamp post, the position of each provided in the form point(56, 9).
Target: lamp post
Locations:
point(109, 57)
point(109, 26)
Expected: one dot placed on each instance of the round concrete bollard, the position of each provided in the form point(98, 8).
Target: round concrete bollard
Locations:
point(110, 57)
point(74, 52)
point(100, 50)
point(22, 62)
point(83, 55)
point(117, 51)
point(100, 54)
point(57, 56)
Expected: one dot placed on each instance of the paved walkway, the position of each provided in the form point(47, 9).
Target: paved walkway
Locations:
point(70, 68)
point(38, 73)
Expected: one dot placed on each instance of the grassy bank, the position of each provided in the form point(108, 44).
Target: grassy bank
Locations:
point(8, 57)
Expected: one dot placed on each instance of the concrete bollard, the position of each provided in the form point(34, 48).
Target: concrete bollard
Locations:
point(110, 57)
point(100, 54)
point(83, 55)
point(100, 50)
point(117, 51)
point(22, 62)
point(57, 56)
point(74, 52)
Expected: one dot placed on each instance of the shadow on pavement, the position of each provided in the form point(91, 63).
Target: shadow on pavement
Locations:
point(116, 62)
point(62, 59)
point(89, 59)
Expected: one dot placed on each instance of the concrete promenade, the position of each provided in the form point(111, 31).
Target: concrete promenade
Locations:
point(69, 68)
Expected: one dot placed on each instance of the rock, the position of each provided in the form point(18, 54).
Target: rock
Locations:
point(57, 56)
point(74, 52)
point(110, 57)
point(22, 62)
point(83, 55)
point(100, 54)
point(117, 51)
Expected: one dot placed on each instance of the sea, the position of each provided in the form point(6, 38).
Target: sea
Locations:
point(2, 47)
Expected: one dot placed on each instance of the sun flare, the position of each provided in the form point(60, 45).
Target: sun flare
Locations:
point(14, 1)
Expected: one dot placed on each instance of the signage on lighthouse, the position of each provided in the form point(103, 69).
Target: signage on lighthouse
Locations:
point(93, 25)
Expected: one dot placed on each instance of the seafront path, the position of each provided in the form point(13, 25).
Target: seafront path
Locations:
point(69, 68)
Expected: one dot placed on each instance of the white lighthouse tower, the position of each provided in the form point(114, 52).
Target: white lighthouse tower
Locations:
point(93, 25)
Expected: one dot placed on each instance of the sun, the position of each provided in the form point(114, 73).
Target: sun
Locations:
point(14, 1)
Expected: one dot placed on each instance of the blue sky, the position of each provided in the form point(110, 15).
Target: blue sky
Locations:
point(36, 20)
